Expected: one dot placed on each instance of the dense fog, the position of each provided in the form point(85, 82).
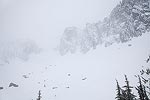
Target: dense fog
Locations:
point(69, 49)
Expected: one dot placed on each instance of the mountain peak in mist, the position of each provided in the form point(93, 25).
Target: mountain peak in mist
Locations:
point(130, 18)
point(21, 49)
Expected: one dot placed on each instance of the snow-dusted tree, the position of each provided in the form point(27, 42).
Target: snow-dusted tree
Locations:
point(128, 90)
point(143, 88)
point(145, 76)
point(126, 93)
point(141, 91)
point(39, 95)
point(119, 92)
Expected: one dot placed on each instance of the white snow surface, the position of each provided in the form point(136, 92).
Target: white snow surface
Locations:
point(99, 67)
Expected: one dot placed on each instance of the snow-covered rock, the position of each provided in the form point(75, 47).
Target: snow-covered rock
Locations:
point(130, 18)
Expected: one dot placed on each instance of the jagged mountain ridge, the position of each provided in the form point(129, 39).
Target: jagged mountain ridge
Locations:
point(130, 18)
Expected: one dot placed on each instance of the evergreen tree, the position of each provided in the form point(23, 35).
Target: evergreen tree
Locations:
point(145, 93)
point(124, 95)
point(119, 95)
point(128, 91)
point(39, 95)
point(141, 90)
point(145, 78)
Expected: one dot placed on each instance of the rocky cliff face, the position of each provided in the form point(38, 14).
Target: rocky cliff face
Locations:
point(130, 18)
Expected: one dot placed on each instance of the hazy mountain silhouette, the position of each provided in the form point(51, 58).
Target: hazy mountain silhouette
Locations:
point(130, 18)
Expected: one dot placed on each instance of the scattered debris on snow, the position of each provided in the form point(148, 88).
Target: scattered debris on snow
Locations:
point(54, 87)
point(129, 45)
point(84, 78)
point(13, 85)
point(148, 59)
point(68, 87)
point(1, 88)
point(25, 76)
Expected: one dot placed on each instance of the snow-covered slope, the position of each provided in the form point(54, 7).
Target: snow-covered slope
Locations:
point(74, 77)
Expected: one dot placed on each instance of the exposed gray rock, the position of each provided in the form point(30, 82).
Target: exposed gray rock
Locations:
point(1, 88)
point(13, 85)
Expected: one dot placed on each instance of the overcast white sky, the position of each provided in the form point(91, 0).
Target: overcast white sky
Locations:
point(45, 20)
